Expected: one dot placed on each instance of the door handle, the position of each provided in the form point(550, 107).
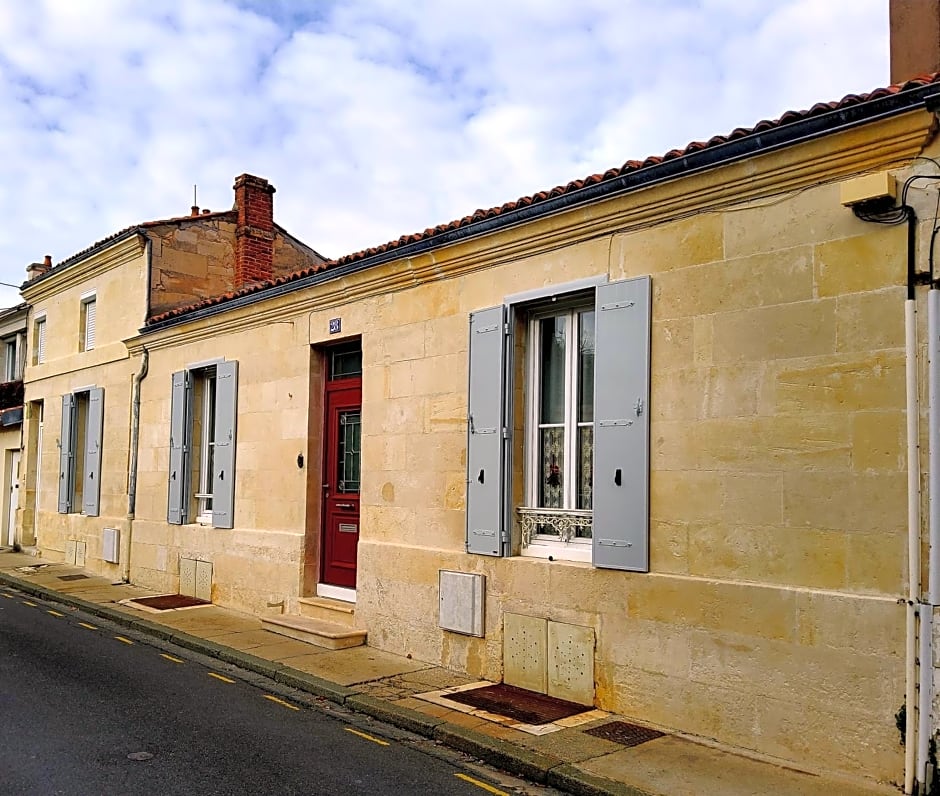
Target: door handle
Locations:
point(345, 506)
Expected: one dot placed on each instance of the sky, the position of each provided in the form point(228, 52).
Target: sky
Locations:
point(378, 118)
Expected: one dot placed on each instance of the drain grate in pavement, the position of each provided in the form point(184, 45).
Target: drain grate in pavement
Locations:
point(624, 733)
point(517, 703)
point(167, 602)
point(72, 577)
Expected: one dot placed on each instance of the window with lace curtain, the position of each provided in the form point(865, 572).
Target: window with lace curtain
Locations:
point(559, 432)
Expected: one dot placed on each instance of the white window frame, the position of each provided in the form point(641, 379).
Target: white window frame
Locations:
point(568, 518)
point(89, 308)
point(11, 352)
point(203, 492)
point(203, 429)
point(40, 333)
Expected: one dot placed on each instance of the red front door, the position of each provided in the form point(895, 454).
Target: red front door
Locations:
point(341, 485)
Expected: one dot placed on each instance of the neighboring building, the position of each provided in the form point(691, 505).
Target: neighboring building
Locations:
point(78, 499)
point(639, 441)
point(12, 360)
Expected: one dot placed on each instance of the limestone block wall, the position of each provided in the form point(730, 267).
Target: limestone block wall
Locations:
point(117, 276)
point(53, 530)
point(259, 561)
point(191, 260)
point(769, 618)
point(195, 258)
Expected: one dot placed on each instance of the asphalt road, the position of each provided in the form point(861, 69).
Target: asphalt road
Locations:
point(89, 708)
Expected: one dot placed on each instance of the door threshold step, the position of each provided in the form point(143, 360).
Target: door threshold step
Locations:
point(328, 610)
point(329, 635)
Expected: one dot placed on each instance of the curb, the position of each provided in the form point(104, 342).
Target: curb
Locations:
point(535, 766)
point(402, 717)
point(502, 754)
point(568, 778)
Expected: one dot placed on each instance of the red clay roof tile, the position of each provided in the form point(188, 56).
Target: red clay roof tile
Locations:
point(541, 196)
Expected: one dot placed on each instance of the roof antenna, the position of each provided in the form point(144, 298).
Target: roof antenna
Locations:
point(194, 210)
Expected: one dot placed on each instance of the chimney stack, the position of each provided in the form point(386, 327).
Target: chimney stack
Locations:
point(914, 38)
point(36, 270)
point(254, 230)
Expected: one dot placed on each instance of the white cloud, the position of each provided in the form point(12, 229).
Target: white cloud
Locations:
point(376, 118)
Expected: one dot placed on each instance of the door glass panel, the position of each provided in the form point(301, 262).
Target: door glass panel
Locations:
point(345, 362)
point(350, 429)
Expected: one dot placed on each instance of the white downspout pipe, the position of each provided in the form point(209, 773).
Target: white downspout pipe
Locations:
point(933, 520)
point(913, 544)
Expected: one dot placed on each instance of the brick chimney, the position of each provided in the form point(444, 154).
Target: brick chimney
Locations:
point(36, 270)
point(254, 231)
point(915, 38)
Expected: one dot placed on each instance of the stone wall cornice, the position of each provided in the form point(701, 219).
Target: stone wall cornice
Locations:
point(121, 253)
point(884, 144)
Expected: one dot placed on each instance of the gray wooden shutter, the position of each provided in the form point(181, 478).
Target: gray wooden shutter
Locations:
point(66, 445)
point(91, 487)
point(226, 416)
point(621, 425)
point(485, 437)
point(179, 448)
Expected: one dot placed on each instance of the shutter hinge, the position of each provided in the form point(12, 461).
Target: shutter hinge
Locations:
point(504, 537)
point(505, 433)
point(506, 328)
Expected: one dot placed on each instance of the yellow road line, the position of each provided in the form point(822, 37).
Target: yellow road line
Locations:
point(27, 602)
point(171, 658)
point(54, 613)
point(221, 677)
point(483, 785)
point(87, 626)
point(281, 702)
point(368, 737)
point(124, 640)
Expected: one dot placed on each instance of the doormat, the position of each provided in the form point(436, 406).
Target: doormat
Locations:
point(519, 704)
point(624, 733)
point(167, 602)
point(72, 577)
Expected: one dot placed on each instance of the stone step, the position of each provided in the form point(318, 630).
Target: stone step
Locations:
point(330, 635)
point(329, 610)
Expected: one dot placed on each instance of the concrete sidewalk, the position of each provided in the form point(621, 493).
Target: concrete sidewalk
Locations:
point(387, 686)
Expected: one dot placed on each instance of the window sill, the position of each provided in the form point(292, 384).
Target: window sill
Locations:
point(559, 552)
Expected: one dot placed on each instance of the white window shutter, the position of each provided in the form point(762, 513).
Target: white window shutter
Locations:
point(91, 312)
point(621, 425)
point(485, 442)
point(41, 341)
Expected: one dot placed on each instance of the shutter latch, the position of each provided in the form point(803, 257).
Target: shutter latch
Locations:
point(638, 407)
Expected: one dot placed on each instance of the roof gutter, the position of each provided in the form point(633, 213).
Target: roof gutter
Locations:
point(128, 233)
point(710, 157)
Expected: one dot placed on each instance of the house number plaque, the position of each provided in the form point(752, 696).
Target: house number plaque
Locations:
point(336, 325)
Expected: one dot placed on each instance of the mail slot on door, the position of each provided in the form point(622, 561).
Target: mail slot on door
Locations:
point(348, 527)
